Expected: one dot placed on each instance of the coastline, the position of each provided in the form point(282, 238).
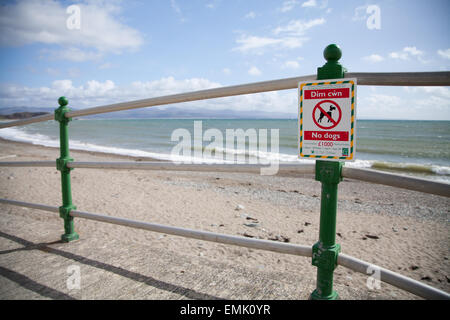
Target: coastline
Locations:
point(84, 153)
point(136, 140)
point(411, 228)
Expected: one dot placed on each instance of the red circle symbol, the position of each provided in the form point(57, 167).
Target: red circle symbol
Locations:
point(327, 116)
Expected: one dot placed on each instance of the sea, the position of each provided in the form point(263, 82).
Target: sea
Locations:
point(415, 148)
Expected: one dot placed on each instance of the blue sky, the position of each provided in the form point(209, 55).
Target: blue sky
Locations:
point(128, 50)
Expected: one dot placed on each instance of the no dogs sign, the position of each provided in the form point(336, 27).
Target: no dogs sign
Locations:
point(327, 118)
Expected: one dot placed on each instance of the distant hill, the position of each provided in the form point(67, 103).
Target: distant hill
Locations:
point(182, 113)
point(22, 115)
point(11, 110)
point(155, 112)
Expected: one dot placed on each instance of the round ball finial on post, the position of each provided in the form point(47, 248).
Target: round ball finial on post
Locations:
point(63, 101)
point(332, 52)
point(332, 69)
point(62, 109)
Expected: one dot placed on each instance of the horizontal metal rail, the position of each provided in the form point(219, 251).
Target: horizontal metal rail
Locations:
point(399, 79)
point(260, 244)
point(399, 181)
point(357, 265)
point(169, 166)
point(267, 245)
point(389, 179)
point(15, 123)
point(397, 280)
point(440, 78)
point(30, 205)
point(395, 180)
point(41, 164)
point(221, 92)
point(166, 166)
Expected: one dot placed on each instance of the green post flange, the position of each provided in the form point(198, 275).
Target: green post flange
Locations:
point(329, 173)
point(61, 165)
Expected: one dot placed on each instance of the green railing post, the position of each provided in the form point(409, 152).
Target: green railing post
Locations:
point(329, 173)
point(61, 165)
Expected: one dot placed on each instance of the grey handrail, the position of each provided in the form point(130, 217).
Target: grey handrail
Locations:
point(352, 263)
point(438, 78)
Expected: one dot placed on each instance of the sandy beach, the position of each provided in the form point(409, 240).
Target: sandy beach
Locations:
point(404, 231)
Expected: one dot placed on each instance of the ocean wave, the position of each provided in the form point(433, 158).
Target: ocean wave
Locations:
point(15, 134)
point(226, 155)
point(412, 168)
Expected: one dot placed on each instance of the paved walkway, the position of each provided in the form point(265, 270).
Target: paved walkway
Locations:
point(34, 264)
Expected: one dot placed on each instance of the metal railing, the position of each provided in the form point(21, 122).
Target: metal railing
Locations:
point(395, 279)
point(65, 164)
point(440, 78)
point(384, 178)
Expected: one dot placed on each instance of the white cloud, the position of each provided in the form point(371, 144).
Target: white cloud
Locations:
point(250, 15)
point(444, 53)
point(288, 5)
point(212, 4)
point(384, 100)
point(254, 71)
point(44, 21)
point(288, 36)
point(248, 43)
point(441, 92)
point(105, 65)
point(52, 71)
point(413, 51)
point(73, 72)
point(309, 3)
point(378, 105)
point(95, 93)
point(292, 64)
point(408, 53)
point(174, 5)
point(291, 4)
point(399, 55)
point(299, 27)
point(433, 102)
point(226, 71)
point(414, 103)
point(257, 44)
point(360, 13)
point(373, 58)
point(72, 54)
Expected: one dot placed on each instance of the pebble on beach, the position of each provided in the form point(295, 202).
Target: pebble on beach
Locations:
point(280, 238)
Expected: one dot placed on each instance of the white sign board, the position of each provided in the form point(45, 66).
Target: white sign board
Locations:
point(327, 119)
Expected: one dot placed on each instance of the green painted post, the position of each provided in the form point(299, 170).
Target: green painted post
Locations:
point(329, 173)
point(61, 165)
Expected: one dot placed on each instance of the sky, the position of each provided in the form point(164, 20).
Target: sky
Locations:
point(101, 52)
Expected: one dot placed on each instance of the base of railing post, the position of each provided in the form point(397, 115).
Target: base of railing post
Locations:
point(69, 228)
point(69, 237)
point(325, 259)
point(317, 295)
